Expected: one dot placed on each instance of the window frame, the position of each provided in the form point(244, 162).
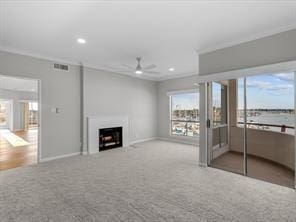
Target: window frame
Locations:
point(171, 94)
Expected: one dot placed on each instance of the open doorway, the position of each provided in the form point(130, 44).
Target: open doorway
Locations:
point(19, 122)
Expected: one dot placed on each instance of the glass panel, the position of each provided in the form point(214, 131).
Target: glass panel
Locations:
point(227, 136)
point(178, 128)
point(192, 129)
point(33, 114)
point(219, 102)
point(185, 114)
point(4, 113)
point(270, 128)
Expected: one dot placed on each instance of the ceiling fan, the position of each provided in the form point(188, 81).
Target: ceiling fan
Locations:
point(139, 69)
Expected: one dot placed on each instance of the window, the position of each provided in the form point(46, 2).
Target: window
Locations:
point(33, 114)
point(4, 113)
point(184, 114)
point(219, 92)
point(270, 102)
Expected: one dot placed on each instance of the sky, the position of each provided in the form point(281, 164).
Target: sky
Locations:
point(273, 91)
point(185, 101)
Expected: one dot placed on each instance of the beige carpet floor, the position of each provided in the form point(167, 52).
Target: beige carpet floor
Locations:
point(156, 181)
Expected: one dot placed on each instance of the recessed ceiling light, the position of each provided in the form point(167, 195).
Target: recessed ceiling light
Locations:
point(81, 41)
point(171, 69)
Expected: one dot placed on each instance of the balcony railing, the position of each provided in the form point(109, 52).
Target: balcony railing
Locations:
point(185, 127)
point(283, 127)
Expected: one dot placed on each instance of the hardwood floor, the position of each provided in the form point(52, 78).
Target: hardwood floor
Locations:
point(11, 157)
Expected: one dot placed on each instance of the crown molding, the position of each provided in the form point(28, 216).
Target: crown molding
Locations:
point(87, 65)
point(168, 77)
point(143, 76)
point(247, 39)
point(38, 56)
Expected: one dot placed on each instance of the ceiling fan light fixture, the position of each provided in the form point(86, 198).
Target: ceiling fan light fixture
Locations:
point(138, 72)
point(81, 41)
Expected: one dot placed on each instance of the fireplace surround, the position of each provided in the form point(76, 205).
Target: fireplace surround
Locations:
point(110, 138)
point(94, 123)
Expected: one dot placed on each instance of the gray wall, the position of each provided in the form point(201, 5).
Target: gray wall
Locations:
point(104, 93)
point(16, 97)
point(164, 106)
point(269, 50)
point(60, 132)
point(107, 93)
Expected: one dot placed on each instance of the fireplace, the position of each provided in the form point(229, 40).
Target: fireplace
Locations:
point(110, 138)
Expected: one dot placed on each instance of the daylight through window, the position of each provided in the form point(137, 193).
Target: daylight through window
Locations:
point(185, 114)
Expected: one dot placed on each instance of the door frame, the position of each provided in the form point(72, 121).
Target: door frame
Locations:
point(39, 99)
point(210, 127)
point(209, 123)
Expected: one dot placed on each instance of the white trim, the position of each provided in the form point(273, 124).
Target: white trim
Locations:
point(234, 74)
point(39, 99)
point(92, 66)
point(59, 157)
point(294, 130)
point(202, 164)
point(130, 74)
point(176, 76)
point(142, 140)
point(171, 93)
point(94, 123)
point(17, 130)
point(39, 156)
point(38, 56)
point(68, 62)
point(247, 39)
point(195, 143)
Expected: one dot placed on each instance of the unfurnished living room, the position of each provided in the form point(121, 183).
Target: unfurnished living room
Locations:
point(147, 110)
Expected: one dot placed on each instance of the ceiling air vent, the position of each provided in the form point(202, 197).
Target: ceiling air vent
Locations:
point(61, 67)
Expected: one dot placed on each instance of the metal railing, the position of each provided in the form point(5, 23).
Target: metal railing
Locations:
point(266, 124)
point(186, 124)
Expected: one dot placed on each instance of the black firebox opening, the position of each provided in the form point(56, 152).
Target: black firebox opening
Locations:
point(110, 138)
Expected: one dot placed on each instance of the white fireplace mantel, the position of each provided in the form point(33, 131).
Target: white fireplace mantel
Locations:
point(94, 123)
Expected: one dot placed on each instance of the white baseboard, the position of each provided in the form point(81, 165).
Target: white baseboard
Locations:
point(176, 141)
point(84, 153)
point(59, 157)
point(143, 140)
point(202, 164)
point(17, 130)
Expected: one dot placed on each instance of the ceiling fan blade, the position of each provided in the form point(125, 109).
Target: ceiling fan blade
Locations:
point(123, 71)
point(128, 66)
point(152, 66)
point(152, 72)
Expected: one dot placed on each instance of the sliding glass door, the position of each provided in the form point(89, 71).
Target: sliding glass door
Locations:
point(270, 138)
point(223, 127)
point(251, 123)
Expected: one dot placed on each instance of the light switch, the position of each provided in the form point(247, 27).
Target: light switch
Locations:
point(55, 110)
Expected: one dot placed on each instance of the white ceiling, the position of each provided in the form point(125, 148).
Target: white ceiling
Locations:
point(18, 84)
point(165, 33)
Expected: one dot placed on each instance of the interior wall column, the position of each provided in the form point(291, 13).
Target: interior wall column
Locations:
point(295, 129)
point(82, 122)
